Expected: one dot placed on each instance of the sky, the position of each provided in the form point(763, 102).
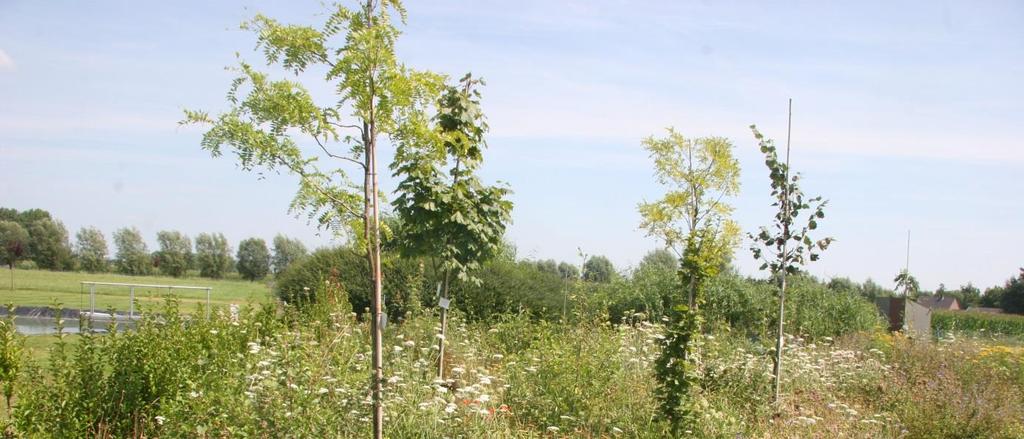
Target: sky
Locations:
point(907, 116)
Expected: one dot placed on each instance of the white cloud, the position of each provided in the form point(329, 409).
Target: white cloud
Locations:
point(6, 62)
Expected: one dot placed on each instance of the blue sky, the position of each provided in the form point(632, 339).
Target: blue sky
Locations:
point(906, 116)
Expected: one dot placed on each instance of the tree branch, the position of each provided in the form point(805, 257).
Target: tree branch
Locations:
point(332, 155)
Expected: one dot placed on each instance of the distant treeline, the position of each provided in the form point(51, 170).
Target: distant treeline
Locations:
point(35, 239)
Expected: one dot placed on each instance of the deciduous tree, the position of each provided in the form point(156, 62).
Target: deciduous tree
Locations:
point(598, 269)
point(786, 245)
point(175, 254)
point(446, 213)
point(375, 96)
point(48, 243)
point(91, 250)
point(13, 245)
point(132, 257)
point(699, 174)
point(213, 255)
point(286, 251)
point(253, 259)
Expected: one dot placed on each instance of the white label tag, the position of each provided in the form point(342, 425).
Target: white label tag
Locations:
point(443, 303)
point(383, 321)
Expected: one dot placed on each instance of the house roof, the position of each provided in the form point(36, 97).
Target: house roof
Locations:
point(938, 302)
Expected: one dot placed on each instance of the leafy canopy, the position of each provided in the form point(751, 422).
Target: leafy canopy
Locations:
point(353, 51)
point(786, 245)
point(444, 209)
point(699, 174)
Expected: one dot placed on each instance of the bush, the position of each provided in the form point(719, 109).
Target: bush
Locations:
point(509, 287)
point(812, 309)
point(310, 280)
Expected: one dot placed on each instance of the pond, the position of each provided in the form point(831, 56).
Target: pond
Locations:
point(40, 325)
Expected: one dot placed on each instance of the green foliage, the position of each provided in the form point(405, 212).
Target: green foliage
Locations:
point(14, 241)
point(698, 173)
point(568, 271)
point(91, 250)
point(675, 368)
point(907, 283)
point(374, 95)
point(213, 255)
point(445, 211)
point(659, 259)
point(12, 347)
point(1012, 298)
point(787, 246)
point(175, 254)
point(132, 257)
point(48, 244)
point(253, 259)
point(306, 281)
point(599, 269)
point(286, 251)
point(510, 287)
point(978, 323)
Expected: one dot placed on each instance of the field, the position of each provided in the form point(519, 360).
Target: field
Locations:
point(44, 288)
point(979, 323)
point(267, 376)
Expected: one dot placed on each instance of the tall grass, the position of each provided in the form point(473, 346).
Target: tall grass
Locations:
point(970, 321)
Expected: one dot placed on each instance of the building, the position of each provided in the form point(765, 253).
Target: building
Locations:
point(905, 315)
point(940, 301)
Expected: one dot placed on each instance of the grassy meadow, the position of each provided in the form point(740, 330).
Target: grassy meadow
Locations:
point(45, 288)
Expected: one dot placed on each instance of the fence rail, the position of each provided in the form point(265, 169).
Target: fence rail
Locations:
point(131, 293)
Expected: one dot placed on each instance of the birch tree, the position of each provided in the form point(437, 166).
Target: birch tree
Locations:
point(785, 246)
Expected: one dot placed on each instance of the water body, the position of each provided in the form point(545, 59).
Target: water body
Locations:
point(41, 320)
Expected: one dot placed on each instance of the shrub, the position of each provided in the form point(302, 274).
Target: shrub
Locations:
point(306, 280)
point(509, 287)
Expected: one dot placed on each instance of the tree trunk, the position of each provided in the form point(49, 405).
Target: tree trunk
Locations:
point(372, 231)
point(444, 328)
point(777, 369)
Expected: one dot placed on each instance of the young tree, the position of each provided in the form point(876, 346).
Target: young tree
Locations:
point(376, 96)
point(286, 251)
point(48, 244)
point(132, 256)
point(175, 254)
point(598, 269)
point(699, 174)
point(253, 259)
point(786, 246)
point(91, 250)
point(13, 244)
point(213, 255)
point(907, 283)
point(692, 219)
point(446, 213)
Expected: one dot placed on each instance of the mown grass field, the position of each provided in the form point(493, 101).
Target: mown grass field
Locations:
point(44, 288)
